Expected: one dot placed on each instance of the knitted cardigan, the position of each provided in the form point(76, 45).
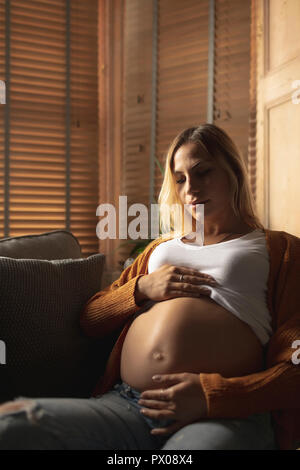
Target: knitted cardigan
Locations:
point(275, 389)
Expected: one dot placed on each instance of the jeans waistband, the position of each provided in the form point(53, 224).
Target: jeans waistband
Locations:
point(124, 389)
point(132, 395)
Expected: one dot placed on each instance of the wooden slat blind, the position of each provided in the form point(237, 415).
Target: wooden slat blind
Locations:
point(53, 169)
point(137, 100)
point(182, 79)
point(232, 69)
point(182, 71)
point(252, 104)
point(2, 115)
point(137, 107)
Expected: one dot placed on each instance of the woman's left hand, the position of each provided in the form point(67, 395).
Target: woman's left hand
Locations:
point(180, 398)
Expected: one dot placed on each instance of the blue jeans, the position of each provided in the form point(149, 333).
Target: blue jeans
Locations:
point(113, 422)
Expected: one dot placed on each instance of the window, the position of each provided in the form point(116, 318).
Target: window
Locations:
point(166, 80)
point(49, 124)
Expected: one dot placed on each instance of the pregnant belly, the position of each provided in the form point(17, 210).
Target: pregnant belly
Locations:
point(186, 334)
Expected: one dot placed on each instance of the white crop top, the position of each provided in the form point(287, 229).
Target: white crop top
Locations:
point(241, 268)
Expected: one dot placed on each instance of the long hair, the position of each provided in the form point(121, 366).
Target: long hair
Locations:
point(215, 143)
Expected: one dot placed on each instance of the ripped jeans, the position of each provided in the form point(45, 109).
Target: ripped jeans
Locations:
point(113, 422)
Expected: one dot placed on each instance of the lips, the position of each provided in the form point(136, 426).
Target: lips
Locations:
point(198, 202)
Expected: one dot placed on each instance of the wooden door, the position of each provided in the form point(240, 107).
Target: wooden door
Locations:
point(278, 114)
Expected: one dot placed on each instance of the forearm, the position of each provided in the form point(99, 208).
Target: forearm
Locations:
point(140, 296)
point(109, 309)
point(273, 389)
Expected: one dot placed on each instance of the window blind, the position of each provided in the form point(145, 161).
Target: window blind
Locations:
point(49, 124)
point(181, 82)
point(252, 104)
point(182, 72)
point(137, 95)
point(232, 69)
point(137, 100)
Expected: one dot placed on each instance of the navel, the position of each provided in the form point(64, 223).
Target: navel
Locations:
point(158, 356)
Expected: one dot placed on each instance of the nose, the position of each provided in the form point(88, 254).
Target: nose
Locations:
point(191, 187)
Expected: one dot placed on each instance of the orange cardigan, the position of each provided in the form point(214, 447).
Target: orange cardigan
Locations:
point(276, 389)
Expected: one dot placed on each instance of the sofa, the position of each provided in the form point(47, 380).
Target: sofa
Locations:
point(45, 283)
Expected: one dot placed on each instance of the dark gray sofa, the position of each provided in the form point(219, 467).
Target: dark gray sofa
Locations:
point(45, 283)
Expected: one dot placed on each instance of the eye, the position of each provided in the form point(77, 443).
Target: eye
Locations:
point(179, 181)
point(197, 173)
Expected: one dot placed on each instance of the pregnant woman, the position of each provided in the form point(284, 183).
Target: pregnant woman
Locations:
point(206, 329)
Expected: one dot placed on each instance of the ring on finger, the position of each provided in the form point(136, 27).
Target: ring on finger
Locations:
point(181, 278)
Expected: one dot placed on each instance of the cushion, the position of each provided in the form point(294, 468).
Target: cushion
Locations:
point(58, 244)
point(47, 354)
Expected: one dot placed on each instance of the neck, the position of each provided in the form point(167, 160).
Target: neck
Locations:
point(215, 230)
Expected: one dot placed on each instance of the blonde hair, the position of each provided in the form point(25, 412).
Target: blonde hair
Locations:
point(217, 145)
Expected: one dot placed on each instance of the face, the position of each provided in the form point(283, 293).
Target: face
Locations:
point(199, 178)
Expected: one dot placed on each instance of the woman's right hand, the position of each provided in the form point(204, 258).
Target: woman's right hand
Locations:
point(167, 283)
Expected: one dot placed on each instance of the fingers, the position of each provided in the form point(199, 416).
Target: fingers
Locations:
point(161, 395)
point(180, 281)
point(154, 404)
point(183, 275)
point(185, 285)
point(192, 272)
point(185, 278)
point(154, 414)
point(164, 380)
point(159, 403)
point(169, 430)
